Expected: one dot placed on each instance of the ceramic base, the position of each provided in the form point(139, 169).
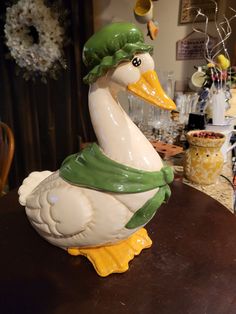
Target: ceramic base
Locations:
point(115, 258)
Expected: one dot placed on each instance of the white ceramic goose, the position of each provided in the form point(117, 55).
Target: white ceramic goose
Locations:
point(91, 221)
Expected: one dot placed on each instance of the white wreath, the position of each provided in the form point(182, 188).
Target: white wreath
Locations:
point(34, 56)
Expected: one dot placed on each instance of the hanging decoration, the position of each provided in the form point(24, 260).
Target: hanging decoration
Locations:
point(143, 12)
point(153, 29)
point(35, 38)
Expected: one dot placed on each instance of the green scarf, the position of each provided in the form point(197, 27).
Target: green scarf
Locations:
point(90, 168)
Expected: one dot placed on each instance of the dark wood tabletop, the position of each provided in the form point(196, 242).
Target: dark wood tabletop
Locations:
point(191, 267)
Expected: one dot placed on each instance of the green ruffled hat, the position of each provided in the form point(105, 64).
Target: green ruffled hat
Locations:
point(111, 45)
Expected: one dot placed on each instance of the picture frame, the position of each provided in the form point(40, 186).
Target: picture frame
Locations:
point(192, 48)
point(188, 10)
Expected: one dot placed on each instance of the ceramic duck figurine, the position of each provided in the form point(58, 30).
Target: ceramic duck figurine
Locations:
point(99, 200)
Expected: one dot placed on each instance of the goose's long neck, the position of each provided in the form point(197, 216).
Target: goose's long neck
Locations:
point(118, 136)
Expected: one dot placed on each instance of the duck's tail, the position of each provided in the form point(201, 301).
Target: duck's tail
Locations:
point(30, 183)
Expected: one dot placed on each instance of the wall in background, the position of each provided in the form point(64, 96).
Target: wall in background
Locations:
point(166, 12)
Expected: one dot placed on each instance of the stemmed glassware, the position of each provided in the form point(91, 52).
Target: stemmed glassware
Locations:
point(155, 123)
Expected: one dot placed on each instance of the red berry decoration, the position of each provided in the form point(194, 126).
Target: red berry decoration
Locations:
point(210, 135)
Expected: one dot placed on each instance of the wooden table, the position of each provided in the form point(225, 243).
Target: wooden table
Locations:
point(191, 267)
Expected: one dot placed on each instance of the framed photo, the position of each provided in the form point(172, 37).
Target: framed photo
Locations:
point(188, 10)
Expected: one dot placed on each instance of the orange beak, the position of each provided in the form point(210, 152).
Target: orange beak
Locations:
point(149, 88)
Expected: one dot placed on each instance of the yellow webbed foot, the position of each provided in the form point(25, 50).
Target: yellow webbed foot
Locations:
point(115, 258)
point(73, 251)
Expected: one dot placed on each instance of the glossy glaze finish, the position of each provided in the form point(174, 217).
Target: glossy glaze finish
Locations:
point(143, 10)
point(125, 143)
point(203, 160)
point(86, 216)
point(111, 45)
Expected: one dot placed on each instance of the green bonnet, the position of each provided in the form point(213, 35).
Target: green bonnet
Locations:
point(111, 45)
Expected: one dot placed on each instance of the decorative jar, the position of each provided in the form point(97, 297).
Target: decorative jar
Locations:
point(203, 160)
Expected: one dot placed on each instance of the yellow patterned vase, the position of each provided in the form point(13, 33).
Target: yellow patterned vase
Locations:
point(203, 160)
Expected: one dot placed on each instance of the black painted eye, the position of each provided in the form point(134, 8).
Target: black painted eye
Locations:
point(136, 61)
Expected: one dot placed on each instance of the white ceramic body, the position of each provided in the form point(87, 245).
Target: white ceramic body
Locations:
point(71, 216)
